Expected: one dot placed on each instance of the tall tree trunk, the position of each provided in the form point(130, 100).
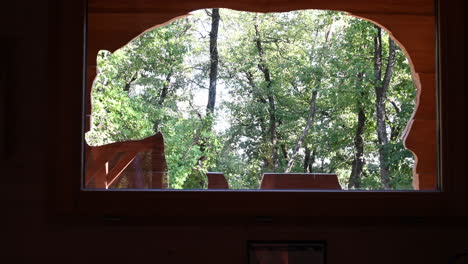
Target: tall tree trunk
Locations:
point(254, 90)
point(358, 160)
point(162, 97)
point(282, 144)
point(381, 87)
point(310, 120)
point(312, 159)
point(213, 75)
point(309, 159)
point(271, 100)
point(260, 99)
point(312, 104)
point(285, 152)
point(306, 159)
point(395, 128)
point(213, 61)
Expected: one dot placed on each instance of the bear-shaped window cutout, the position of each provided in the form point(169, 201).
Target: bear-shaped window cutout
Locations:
point(295, 100)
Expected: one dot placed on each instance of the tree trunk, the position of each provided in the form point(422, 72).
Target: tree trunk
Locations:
point(213, 61)
point(312, 160)
point(271, 101)
point(312, 105)
point(358, 162)
point(310, 120)
point(285, 152)
point(260, 99)
point(162, 97)
point(129, 83)
point(381, 87)
point(165, 88)
point(306, 159)
point(213, 75)
point(395, 128)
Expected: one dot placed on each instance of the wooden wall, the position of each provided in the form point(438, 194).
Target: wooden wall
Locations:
point(39, 137)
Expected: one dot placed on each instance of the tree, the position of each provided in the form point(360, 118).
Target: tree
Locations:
point(213, 60)
point(381, 88)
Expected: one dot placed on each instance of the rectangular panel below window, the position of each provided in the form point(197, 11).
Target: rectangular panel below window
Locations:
point(286, 252)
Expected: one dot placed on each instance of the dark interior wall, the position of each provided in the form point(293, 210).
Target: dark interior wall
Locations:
point(33, 233)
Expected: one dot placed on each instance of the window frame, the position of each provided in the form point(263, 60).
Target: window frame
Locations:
point(67, 77)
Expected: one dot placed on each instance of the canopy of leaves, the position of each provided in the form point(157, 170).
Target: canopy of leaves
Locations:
point(159, 81)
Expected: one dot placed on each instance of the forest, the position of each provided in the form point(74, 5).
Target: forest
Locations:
point(245, 93)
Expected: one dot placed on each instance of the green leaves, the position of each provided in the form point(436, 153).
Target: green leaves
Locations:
point(159, 80)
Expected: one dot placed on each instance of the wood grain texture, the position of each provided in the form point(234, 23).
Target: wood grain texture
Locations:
point(104, 164)
point(387, 6)
point(217, 180)
point(318, 181)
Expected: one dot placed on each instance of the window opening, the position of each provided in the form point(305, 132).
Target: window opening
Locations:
point(296, 100)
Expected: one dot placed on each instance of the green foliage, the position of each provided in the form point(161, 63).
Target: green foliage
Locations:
point(158, 82)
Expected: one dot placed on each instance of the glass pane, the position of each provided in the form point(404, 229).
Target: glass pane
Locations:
point(223, 99)
point(286, 253)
